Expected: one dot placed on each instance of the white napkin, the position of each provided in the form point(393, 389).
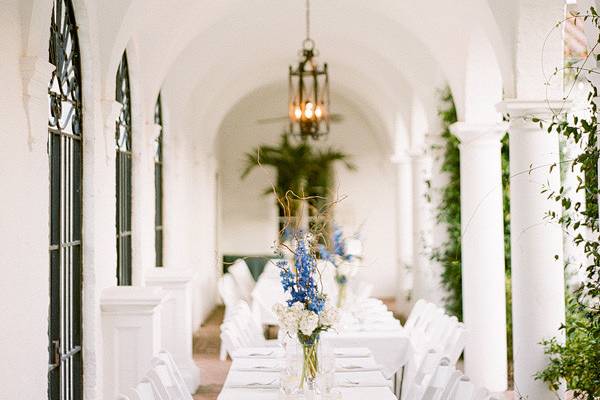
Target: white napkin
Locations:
point(360, 379)
point(258, 352)
point(353, 352)
point(356, 364)
point(261, 364)
point(252, 380)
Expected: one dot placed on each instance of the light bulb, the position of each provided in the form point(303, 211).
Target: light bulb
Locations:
point(297, 112)
point(318, 112)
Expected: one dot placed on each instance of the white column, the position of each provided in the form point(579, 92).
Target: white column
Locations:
point(404, 230)
point(176, 319)
point(131, 334)
point(482, 250)
point(538, 299)
point(420, 166)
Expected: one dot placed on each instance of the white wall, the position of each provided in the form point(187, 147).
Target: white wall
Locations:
point(249, 224)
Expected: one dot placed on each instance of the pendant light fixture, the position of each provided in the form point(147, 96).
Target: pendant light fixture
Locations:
point(308, 91)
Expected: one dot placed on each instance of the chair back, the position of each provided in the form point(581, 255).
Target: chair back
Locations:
point(242, 276)
point(145, 390)
point(165, 358)
point(229, 291)
point(161, 378)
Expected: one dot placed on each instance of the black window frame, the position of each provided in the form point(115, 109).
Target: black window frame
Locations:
point(158, 186)
point(65, 156)
point(123, 175)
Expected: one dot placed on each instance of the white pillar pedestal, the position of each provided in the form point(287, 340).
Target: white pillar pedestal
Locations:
point(176, 319)
point(131, 335)
point(536, 244)
point(404, 231)
point(482, 249)
point(421, 272)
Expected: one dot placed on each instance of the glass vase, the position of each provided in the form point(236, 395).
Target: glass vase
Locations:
point(342, 289)
point(310, 365)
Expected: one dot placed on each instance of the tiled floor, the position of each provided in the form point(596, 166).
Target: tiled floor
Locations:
point(206, 354)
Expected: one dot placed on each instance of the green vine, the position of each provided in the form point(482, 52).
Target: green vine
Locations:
point(576, 360)
point(448, 255)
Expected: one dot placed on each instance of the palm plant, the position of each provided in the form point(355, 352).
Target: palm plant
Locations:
point(302, 173)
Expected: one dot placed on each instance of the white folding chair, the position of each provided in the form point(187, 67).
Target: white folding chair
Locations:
point(456, 343)
point(415, 314)
point(229, 291)
point(145, 390)
point(242, 276)
point(230, 341)
point(161, 378)
point(463, 390)
point(165, 358)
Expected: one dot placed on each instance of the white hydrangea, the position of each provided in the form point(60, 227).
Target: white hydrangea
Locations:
point(329, 316)
point(308, 322)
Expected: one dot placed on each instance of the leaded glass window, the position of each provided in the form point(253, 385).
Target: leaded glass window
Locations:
point(123, 174)
point(65, 369)
point(158, 184)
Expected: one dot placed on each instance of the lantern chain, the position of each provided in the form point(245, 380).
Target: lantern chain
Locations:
point(307, 19)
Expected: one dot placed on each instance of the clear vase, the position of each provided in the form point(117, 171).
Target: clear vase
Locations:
point(310, 365)
point(342, 289)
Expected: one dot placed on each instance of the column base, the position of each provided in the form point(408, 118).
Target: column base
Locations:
point(176, 320)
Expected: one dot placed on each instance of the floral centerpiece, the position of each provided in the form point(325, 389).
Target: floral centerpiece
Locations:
point(307, 312)
point(343, 259)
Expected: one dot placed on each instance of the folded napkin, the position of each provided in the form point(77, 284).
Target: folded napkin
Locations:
point(252, 380)
point(249, 394)
point(261, 364)
point(356, 364)
point(352, 352)
point(258, 352)
point(361, 379)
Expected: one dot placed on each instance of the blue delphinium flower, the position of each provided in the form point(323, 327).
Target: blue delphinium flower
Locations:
point(301, 284)
point(339, 247)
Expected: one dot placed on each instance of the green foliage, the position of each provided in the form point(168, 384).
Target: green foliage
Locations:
point(302, 172)
point(577, 360)
point(448, 211)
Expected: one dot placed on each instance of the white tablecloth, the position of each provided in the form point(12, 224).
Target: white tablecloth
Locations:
point(390, 349)
point(247, 380)
point(362, 393)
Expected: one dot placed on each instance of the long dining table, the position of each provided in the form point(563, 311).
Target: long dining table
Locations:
point(255, 375)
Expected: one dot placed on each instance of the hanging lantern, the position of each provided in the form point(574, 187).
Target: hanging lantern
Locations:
point(308, 91)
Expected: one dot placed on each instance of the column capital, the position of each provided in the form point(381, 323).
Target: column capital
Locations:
point(529, 108)
point(479, 134)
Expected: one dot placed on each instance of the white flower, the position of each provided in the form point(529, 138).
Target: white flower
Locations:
point(329, 316)
point(308, 322)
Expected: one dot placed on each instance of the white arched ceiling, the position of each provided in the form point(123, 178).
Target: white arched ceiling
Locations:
point(426, 41)
point(250, 55)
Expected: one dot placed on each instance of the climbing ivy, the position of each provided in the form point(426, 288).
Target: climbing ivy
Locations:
point(448, 255)
point(576, 360)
